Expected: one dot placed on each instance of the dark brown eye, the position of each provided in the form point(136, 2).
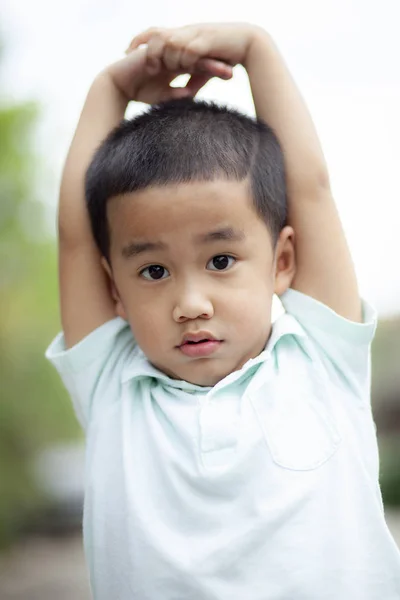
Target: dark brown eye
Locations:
point(221, 262)
point(154, 272)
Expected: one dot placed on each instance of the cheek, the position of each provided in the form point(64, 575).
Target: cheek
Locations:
point(248, 305)
point(253, 288)
point(147, 322)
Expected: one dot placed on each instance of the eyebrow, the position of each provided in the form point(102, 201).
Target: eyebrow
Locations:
point(135, 248)
point(227, 234)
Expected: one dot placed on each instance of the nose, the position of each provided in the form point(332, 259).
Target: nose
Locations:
point(192, 303)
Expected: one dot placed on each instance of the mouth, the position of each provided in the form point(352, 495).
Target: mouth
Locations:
point(199, 344)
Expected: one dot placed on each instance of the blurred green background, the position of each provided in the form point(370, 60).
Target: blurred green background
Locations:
point(35, 411)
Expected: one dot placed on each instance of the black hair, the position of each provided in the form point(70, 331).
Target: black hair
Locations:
point(180, 141)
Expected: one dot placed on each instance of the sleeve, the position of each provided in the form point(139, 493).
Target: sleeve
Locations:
point(342, 344)
point(91, 370)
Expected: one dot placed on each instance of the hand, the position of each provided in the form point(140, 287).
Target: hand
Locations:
point(136, 82)
point(183, 48)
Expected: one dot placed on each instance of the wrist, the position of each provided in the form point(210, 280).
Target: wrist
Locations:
point(106, 81)
point(105, 100)
point(259, 38)
point(127, 74)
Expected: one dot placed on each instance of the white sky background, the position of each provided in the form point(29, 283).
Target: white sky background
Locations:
point(344, 55)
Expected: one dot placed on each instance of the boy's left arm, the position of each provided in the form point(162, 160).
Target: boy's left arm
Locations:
point(324, 268)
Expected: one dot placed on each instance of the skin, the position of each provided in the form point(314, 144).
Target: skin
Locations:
point(233, 304)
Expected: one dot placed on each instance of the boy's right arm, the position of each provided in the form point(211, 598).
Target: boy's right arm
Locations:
point(85, 296)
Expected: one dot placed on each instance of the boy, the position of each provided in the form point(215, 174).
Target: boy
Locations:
point(226, 458)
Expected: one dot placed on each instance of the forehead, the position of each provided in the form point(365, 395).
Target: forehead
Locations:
point(183, 208)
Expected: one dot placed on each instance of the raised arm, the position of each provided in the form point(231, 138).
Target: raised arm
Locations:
point(324, 267)
point(85, 298)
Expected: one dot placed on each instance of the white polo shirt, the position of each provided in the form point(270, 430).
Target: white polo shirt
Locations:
point(263, 487)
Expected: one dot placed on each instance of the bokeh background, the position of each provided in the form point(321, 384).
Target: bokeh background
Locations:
point(344, 56)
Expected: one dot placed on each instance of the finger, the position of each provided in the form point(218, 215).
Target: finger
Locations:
point(153, 66)
point(196, 82)
point(176, 93)
point(171, 58)
point(154, 53)
point(195, 47)
point(155, 48)
point(189, 57)
point(218, 68)
point(143, 38)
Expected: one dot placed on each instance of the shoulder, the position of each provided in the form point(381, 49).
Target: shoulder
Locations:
point(314, 315)
point(92, 370)
point(334, 344)
point(108, 339)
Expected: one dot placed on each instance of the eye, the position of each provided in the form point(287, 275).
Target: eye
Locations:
point(221, 262)
point(154, 273)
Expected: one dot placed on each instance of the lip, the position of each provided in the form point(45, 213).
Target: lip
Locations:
point(201, 348)
point(197, 337)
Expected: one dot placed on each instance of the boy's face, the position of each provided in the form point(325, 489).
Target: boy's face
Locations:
point(196, 260)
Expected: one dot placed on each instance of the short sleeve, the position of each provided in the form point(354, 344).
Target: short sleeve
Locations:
point(342, 344)
point(91, 370)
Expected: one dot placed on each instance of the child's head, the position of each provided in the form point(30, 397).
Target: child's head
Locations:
point(187, 204)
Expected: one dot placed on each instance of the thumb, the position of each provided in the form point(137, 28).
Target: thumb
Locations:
point(197, 81)
point(193, 86)
point(175, 93)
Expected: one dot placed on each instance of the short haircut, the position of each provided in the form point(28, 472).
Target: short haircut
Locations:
point(180, 141)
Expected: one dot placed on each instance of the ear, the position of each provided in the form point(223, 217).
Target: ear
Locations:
point(284, 263)
point(119, 308)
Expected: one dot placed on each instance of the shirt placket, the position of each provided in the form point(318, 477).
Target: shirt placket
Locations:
point(219, 427)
